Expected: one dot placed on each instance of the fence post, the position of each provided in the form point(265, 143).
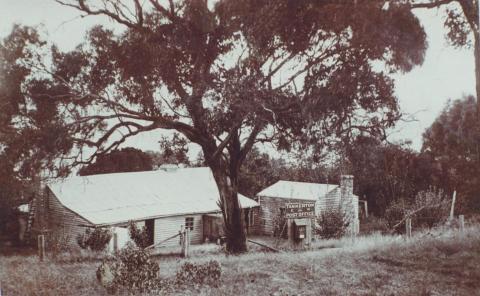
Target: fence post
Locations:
point(41, 246)
point(115, 242)
point(182, 241)
point(290, 233)
point(462, 223)
point(186, 242)
point(452, 208)
point(408, 225)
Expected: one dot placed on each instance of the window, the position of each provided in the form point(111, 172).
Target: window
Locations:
point(189, 223)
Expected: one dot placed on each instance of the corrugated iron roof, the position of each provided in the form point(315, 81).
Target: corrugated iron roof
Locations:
point(120, 197)
point(297, 190)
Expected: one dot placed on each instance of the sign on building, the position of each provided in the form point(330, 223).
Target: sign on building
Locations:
point(299, 210)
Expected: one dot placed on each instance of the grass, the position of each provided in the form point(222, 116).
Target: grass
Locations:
point(445, 263)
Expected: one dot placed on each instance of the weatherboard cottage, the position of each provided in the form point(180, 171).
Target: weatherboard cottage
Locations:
point(165, 201)
point(326, 197)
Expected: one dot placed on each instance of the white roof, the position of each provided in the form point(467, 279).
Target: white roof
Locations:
point(297, 190)
point(120, 197)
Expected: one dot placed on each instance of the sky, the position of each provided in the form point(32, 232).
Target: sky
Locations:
point(447, 73)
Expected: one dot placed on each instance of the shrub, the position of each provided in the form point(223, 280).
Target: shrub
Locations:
point(395, 213)
point(131, 268)
point(332, 224)
point(207, 273)
point(57, 242)
point(434, 208)
point(279, 226)
point(138, 235)
point(96, 240)
point(429, 208)
point(374, 224)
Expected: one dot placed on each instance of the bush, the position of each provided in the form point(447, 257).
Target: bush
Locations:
point(57, 242)
point(280, 226)
point(199, 274)
point(396, 213)
point(96, 240)
point(435, 208)
point(131, 268)
point(373, 224)
point(429, 208)
point(332, 224)
point(139, 236)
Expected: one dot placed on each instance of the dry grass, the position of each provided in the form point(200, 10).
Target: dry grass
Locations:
point(27, 276)
point(445, 263)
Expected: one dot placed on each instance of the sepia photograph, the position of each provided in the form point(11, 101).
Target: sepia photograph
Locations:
point(240, 147)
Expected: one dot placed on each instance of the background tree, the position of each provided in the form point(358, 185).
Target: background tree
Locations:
point(453, 141)
point(462, 23)
point(172, 151)
point(117, 161)
point(31, 133)
point(388, 173)
point(230, 75)
point(257, 173)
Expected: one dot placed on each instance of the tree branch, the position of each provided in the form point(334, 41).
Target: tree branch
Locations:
point(433, 4)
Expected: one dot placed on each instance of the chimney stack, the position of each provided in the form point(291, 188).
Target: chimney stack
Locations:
point(346, 186)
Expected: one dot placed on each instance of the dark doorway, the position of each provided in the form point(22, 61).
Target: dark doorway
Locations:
point(150, 228)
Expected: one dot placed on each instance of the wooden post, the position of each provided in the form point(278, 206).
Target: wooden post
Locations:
point(453, 205)
point(366, 208)
point(408, 225)
point(462, 223)
point(186, 242)
point(308, 235)
point(115, 242)
point(290, 233)
point(182, 240)
point(41, 246)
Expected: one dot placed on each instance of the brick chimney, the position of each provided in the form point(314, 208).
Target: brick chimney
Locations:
point(346, 187)
point(349, 203)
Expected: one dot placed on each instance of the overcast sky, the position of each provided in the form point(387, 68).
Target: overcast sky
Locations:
point(447, 73)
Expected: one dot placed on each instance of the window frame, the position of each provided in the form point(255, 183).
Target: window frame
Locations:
point(189, 223)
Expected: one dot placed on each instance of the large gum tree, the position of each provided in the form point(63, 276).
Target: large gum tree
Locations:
point(228, 75)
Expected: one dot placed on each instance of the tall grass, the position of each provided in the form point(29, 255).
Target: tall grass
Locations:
point(444, 262)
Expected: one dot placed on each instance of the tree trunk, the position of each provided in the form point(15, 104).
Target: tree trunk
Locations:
point(232, 213)
point(477, 69)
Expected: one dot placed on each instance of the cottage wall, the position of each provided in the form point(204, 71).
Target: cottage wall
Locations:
point(61, 220)
point(329, 202)
point(255, 227)
point(269, 210)
point(169, 226)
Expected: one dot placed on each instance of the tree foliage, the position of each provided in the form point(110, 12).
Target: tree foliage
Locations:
point(260, 170)
point(227, 76)
point(453, 141)
point(122, 160)
point(386, 173)
point(96, 239)
point(139, 235)
point(173, 150)
point(31, 135)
